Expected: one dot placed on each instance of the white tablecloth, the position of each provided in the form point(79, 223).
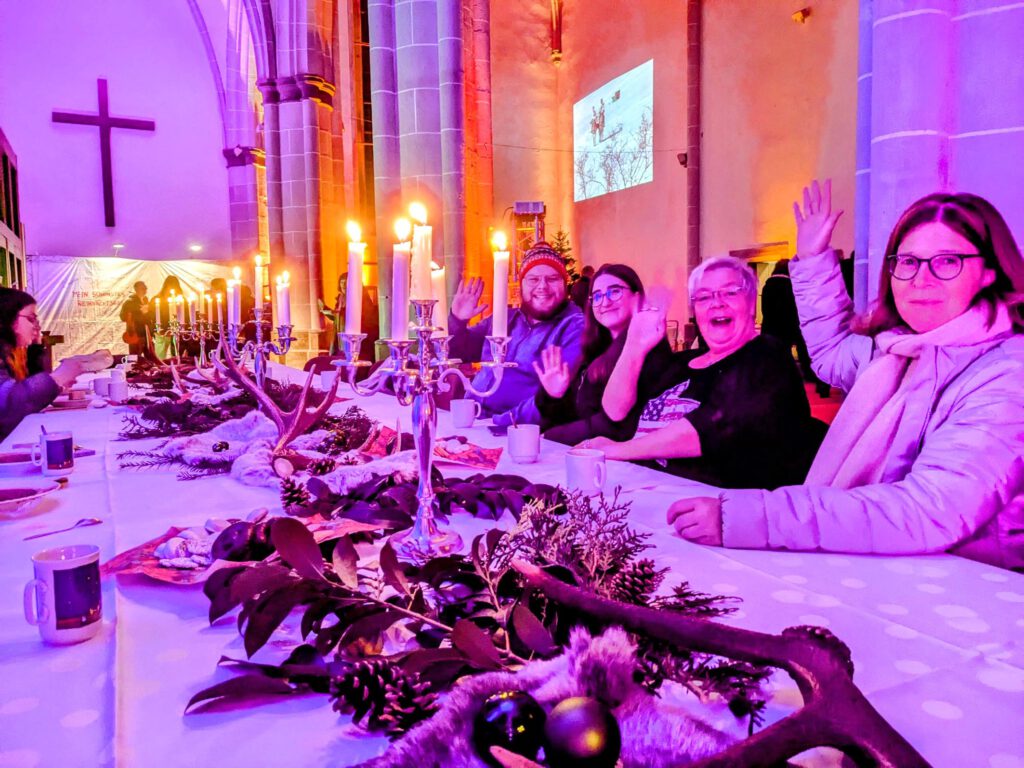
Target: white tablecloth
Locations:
point(937, 641)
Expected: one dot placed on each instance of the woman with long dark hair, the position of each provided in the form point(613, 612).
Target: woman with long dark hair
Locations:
point(927, 452)
point(570, 401)
point(24, 386)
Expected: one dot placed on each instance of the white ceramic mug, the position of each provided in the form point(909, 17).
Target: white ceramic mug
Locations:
point(524, 443)
point(585, 470)
point(55, 453)
point(327, 379)
point(101, 385)
point(64, 599)
point(118, 391)
point(464, 412)
point(117, 374)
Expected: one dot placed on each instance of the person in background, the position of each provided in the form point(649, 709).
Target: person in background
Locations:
point(926, 453)
point(135, 314)
point(736, 413)
point(546, 318)
point(24, 386)
point(570, 401)
point(779, 319)
point(580, 291)
point(163, 346)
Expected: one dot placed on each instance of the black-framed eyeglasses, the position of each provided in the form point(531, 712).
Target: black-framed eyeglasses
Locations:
point(945, 266)
point(611, 295)
point(33, 318)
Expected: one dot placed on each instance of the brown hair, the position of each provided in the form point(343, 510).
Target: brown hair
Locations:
point(599, 349)
point(977, 221)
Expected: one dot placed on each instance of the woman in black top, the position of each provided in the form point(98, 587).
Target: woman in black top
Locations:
point(736, 414)
point(570, 402)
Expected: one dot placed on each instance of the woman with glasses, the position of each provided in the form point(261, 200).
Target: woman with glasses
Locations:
point(24, 387)
point(734, 413)
point(927, 452)
point(570, 401)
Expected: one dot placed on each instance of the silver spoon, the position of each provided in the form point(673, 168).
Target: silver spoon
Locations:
point(83, 523)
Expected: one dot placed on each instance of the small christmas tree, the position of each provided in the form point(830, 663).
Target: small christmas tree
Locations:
point(560, 244)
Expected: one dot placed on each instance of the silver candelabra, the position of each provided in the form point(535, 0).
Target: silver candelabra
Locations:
point(431, 372)
point(202, 331)
point(260, 349)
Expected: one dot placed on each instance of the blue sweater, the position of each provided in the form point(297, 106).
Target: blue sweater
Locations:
point(515, 397)
point(20, 398)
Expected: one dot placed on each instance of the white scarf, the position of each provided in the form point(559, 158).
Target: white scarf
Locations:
point(854, 449)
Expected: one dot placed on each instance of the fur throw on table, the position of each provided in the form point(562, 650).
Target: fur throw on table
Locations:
point(655, 732)
point(246, 446)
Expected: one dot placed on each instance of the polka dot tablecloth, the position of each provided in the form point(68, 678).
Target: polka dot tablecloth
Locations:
point(937, 642)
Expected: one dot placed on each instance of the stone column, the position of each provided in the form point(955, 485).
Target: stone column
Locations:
point(912, 111)
point(453, 143)
point(862, 185)
point(272, 147)
point(387, 173)
point(946, 85)
point(419, 119)
point(988, 142)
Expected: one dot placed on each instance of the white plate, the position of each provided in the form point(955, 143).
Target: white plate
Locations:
point(64, 403)
point(17, 497)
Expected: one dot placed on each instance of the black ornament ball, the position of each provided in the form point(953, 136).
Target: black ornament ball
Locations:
point(220, 446)
point(510, 719)
point(581, 733)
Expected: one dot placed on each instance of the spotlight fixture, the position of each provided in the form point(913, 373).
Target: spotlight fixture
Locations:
point(800, 17)
point(195, 247)
point(118, 247)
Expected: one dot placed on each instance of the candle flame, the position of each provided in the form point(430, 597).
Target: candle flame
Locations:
point(258, 259)
point(418, 213)
point(435, 267)
point(403, 228)
point(220, 297)
point(499, 242)
point(237, 272)
point(191, 298)
point(355, 233)
point(282, 279)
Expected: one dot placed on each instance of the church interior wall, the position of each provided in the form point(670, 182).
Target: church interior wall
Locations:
point(170, 185)
point(779, 108)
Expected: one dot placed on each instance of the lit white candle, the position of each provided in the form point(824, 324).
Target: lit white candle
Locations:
point(400, 281)
point(499, 318)
point(439, 291)
point(235, 297)
point(220, 308)
point(258, 291)
point(284, 300)
point(422, 252)
point(156, 311)
point(354, 286)
point(192, 309)
point(180, 309)
point(208, 308)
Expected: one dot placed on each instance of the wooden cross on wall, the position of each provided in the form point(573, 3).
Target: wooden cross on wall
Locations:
point(104, 121)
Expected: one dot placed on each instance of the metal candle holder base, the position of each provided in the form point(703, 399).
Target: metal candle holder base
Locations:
point(202, 331)
point(432, 371)
point(260, 349)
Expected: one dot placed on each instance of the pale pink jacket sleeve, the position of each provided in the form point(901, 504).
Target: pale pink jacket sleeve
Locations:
point(970, 467)
point(825, 310)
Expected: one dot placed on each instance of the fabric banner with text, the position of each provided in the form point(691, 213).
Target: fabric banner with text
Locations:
point(80, 298)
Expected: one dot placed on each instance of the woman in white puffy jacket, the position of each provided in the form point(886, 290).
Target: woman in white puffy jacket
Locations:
point(927, 452)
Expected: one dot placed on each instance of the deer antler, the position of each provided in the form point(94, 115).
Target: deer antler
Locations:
point(212, 375)
point(179, 383)
point(290, 424)
point(835, 712)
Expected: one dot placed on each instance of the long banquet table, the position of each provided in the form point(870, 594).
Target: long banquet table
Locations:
point(937, 642)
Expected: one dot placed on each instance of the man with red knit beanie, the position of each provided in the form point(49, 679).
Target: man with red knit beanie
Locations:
point(546, 318)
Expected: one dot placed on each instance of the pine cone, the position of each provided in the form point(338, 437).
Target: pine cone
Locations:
point(321, 466)
point(361, 689)
point(637, 582)
point(407, 701)
point(293, 495)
